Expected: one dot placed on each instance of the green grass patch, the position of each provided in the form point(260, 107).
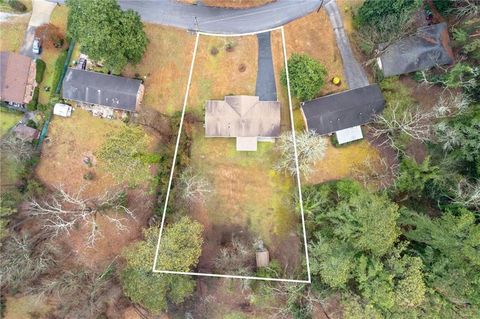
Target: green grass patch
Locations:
point(8, 119)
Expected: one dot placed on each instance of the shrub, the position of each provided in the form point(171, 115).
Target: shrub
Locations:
point(307, 76)
point(32, 105)
point(40, 70)
point(17, 5)
point(58, 69)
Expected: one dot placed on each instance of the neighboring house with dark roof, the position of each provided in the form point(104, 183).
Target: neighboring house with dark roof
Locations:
point(17, 79)
point(244, 117)
point(102, 93)
point(430, 46)
point(343, 113)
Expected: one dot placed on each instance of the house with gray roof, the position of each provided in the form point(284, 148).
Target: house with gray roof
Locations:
point(342, 113)
point(244, 117)
point(430, 46)
point(104, 90)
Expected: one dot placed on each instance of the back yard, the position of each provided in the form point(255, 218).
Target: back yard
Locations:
point(246, 198)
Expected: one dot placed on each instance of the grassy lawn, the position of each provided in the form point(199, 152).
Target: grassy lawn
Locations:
point(69, 141)
point(247, 190)
point(164, 67)
point(216, 72)
point(340, 162)
point(50, 55)
point(8, 120)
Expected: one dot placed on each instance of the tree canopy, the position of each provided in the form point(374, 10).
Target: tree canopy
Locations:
point(153, 290)
point(306, 76)
point(106, 33)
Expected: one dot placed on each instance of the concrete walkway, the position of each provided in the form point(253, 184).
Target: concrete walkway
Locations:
point(41, 13)
point(354, 73)
point(265, 88)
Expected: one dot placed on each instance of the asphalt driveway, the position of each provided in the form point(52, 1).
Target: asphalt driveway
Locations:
point(354, 73)
point(265, 87)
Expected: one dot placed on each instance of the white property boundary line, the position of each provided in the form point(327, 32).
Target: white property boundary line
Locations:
point(296, 165)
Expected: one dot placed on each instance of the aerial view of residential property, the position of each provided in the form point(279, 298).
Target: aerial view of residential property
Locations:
point(240, 159)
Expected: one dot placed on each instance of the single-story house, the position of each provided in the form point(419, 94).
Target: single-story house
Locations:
point(62, 110)
point(17, 79)
point(244, 117)
point(26, 133)
point(430, 46)
point(342, 113)
point(102, 93)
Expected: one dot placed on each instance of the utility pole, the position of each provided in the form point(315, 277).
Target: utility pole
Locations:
point(196, 23)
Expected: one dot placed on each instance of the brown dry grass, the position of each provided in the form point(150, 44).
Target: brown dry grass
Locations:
point(30, 306)
point(164, 67)
point(12, 33)
point(215, 76)
point(339, 162)
point(248, 192)
point(69, 141)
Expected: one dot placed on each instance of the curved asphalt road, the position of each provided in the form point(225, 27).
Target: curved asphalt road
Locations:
point(220, 20)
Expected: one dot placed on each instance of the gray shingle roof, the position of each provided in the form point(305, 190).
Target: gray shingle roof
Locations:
point(427, 48)
point(102, 89)
point(342, 110)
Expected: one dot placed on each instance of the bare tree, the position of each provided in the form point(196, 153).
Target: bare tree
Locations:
point(193, 187)
point(23, 260)
point(82, 291)
point(467, 194)
point(62, 211)
point(17, 148)
point(377, 172)
point(310, 149)
point(414, 123)
point(237, 258)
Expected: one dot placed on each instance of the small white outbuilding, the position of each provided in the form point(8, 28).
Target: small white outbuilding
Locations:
point(62, 110)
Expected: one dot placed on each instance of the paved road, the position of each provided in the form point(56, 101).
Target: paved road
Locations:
point(219, 20)
point(41, 12)
point(265, 88)
point(354, 73)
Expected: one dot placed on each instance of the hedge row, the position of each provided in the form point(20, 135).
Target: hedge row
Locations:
point(41, 66)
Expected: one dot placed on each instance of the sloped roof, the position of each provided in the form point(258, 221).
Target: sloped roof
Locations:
point(430, 46)
point(342, 110)
point(242, 116)
point(14, 71)
point(25, 132)
point(101, 89)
